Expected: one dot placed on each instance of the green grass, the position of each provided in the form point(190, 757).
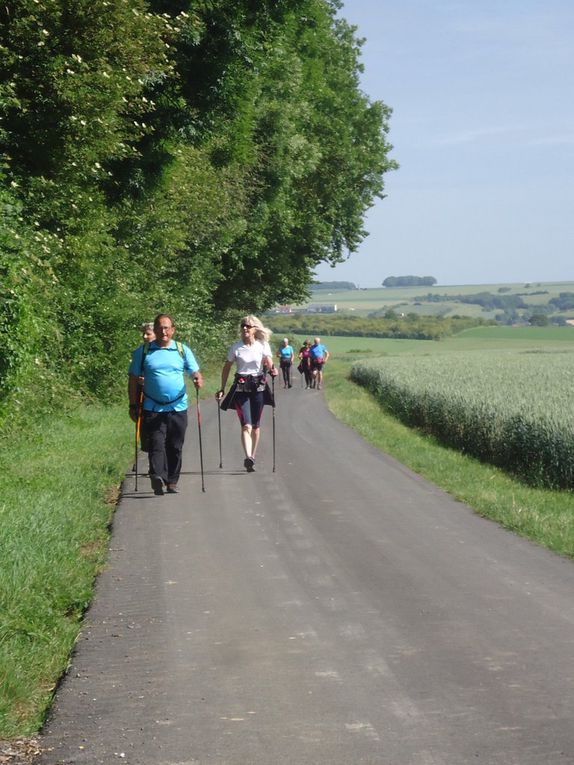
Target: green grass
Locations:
point(478, 338)
point(58, 487)
point(520, 335)
point(544, 516)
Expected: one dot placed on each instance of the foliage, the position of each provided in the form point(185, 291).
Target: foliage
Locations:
point(409, 281)
point(564, 302)
point(487, 406)
point(195, 158)
point(412, 327)
point(320, 286)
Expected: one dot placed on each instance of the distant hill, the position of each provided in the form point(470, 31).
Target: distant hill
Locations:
point(318, 286)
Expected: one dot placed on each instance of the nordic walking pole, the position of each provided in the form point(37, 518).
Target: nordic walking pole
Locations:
point(136, 452)
point(273, 394)
point(199, 433)
point(219, 431)
point(138, 431)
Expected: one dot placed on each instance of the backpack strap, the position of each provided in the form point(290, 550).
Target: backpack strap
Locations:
point(180, 349)
point(144, 354)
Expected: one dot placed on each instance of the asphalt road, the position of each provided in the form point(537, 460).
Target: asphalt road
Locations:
point(338, 611)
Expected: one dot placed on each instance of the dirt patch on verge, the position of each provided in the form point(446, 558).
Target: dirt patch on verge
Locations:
point(22, 751)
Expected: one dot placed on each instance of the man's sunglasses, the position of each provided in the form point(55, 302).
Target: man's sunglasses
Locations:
point(247, 326)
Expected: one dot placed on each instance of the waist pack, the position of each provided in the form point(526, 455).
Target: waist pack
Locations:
point(249, 383)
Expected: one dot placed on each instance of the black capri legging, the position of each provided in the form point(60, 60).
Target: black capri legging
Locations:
point(286, 369)
point(249, 407)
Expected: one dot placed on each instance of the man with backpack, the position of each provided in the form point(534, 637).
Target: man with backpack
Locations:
point(318, 355)
point(163, 364)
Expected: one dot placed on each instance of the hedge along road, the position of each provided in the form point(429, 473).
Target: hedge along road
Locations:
point(338, 611)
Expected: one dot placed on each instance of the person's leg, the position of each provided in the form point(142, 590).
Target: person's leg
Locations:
point(257, 404)
point(285, 371)
point(319, 376)
point(246, 441)
point(156, 428)
point(176, 427)
point(242, 405)
point(289, 375)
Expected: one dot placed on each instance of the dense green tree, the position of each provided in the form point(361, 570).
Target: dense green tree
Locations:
point(197, 156)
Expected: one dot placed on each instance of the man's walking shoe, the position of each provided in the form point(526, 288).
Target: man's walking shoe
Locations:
point(249, 464)
point(157, 485)
point(172, 488)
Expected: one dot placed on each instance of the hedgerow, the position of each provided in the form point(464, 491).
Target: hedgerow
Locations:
point(197, 159)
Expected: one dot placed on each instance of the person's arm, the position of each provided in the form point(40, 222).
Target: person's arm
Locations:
point(268, 366)
point(192, 367)
point(326, 356)
point(224, 375)
point(133, 394)
point(135, 371)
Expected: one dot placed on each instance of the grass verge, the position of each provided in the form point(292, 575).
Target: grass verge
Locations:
point(543, 516)
point(59, 486)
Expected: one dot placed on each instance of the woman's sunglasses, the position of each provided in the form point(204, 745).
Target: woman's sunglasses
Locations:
point(247, 326)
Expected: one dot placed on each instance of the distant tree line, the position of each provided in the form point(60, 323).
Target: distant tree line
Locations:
point(201, 158)
point(486, 300)
point(410, 327)
point(409, 281)
point(318, 286)
point(512, 307)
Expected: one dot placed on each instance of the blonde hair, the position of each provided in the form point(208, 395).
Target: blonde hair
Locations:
point(261, 333)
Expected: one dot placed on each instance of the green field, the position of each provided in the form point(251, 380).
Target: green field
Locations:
point(501, 338)
point(412, 299)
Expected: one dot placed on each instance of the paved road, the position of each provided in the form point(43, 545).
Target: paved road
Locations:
point(339, 611)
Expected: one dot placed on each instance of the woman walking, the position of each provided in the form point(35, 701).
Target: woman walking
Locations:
point(286, 355)
point(249, 392)
point(305, 363)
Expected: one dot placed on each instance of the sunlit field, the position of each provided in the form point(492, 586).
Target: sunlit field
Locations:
point(412, 299)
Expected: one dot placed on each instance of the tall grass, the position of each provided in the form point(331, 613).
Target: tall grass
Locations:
point(514, 410)
point(545, 516)
point(57, 489)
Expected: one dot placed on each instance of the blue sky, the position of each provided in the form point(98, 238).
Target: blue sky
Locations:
point(482, 94)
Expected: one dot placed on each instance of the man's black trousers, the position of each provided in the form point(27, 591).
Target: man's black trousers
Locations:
point(166, 434)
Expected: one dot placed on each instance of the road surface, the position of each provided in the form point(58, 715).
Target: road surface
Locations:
point(339, 611)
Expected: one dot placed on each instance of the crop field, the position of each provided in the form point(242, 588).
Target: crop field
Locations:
point(412, 299)
point(513, 409)
point(500, 338)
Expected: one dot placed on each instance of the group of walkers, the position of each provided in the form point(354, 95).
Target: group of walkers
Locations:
point(312, 358)
point(158, 399)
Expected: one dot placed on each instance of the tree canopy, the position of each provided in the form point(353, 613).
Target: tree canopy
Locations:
point(409, 281)
point(195, 157)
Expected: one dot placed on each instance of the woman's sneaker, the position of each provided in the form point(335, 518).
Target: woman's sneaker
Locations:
point(249, 464)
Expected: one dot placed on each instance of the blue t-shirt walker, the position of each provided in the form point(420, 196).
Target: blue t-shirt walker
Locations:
point(318, 352)
point(164, 375)
point(286, 352)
